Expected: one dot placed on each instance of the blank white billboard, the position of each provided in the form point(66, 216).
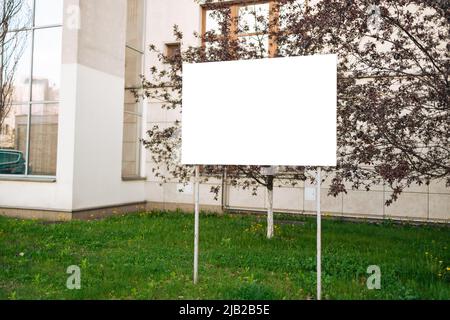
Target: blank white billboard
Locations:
point(279, 111)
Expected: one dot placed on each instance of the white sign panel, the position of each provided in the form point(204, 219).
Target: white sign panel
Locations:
point(279, 111)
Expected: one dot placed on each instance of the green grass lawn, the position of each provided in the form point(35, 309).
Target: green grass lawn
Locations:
point(149, 256)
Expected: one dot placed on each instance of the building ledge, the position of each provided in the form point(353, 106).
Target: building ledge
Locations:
point(134, 178)
point(27, 179)
point(78, 214)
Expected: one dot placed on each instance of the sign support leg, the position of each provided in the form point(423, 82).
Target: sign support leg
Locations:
point(319, 236)
point(196, 222)
point(270, 208)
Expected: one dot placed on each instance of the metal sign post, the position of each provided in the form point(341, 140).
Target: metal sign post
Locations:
point(319, 237)
point(196, 222)
point(270, 210)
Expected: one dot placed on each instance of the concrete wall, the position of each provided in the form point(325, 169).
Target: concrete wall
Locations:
point(162, 15)
point(99, 71)
point(417, 203)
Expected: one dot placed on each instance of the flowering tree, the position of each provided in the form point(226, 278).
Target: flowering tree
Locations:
point(393, 87)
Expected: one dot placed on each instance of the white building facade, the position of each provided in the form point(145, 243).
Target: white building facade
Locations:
point(76, 125)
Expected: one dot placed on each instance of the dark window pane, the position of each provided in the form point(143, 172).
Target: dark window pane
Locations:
point(13, 140)
point(46, 64)
point(43, 139)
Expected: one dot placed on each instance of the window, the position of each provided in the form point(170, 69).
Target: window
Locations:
point(132, 124)
point(32, 62)
point(251, 22)
point(172, 49)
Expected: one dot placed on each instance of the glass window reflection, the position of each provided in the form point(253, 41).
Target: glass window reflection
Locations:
point(17, 65)
point(48, 12)
point(46, 64)
point(32, 61)
point(22, 14)
point(13, 140)
point(43, 139)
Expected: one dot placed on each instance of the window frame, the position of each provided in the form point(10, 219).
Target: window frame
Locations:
point(234, 6)
point(29, 102)
point(141, 105)
point(170, 46)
